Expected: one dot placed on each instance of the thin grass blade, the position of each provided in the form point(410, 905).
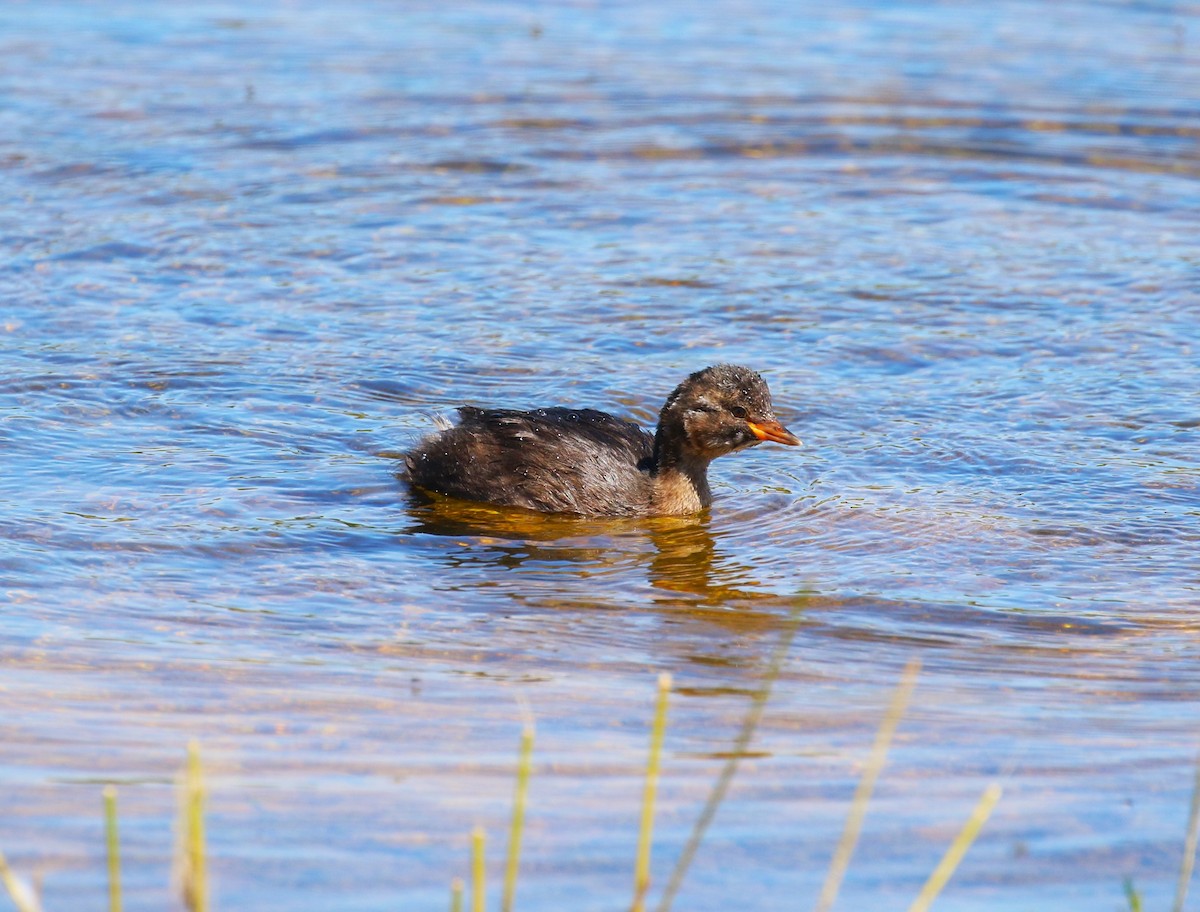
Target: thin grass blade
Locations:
point(1189, 845)
point(193, 854)
point(1132, 896)
point(113, 842)
point(641, 872)
point(866, 785)
point(721, 786)
point(478, 878)
point(524, 765)
point(958, 849)
point(19, 891)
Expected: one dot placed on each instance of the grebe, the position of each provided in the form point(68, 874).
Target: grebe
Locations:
point(558, 460)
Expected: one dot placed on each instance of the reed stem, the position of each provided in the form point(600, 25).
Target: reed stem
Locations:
point(1189, 845)
point(641, 872)
point(866, 785)
point(1132, 896)
point(478, 885)
point(114, 848)
point(456, 893)
point(524, 765)
point(950, 861)
point(195, 861)
point(21, 893)
point(721, 786)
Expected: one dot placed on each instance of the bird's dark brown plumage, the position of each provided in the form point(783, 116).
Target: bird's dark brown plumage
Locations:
point(558, 460)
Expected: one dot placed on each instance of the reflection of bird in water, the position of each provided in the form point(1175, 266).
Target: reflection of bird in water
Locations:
point(688, 562)
point(686, 565)
point(590, 463)
point(582, 591)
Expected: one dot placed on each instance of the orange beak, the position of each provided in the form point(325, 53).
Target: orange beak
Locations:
point(773, 430)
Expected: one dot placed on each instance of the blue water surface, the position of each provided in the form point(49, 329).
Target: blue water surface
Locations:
point(252, 251)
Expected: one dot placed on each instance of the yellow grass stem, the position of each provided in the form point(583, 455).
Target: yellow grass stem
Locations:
point(22, 894)
point(195, 862)
point(866, 785)
point(1189, 845)
point(1132, 896)
point(114, 849)
point(524, 765)
point(721, 786)
point(641, 871)
point(478, 885)
point(950, 861)
point(456, 892)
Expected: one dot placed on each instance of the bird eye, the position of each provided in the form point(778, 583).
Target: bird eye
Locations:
point(738, 411)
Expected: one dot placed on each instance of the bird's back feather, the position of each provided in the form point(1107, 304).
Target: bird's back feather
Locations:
point(553, 460)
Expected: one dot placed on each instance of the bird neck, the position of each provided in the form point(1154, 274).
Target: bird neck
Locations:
point(680, 480)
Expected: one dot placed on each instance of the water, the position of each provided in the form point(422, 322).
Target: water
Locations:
point(251, 252)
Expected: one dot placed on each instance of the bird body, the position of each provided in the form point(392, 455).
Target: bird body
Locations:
point(587, 462)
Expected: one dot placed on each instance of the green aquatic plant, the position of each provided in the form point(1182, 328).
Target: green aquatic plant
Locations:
point(1189, 845)
point(22, 894)
point(113, 845)
point(192, 858)
point(721, 786)
point(866, 785)
point(840, 862)
point(524, 766)
point(1132, 896)
point(958, 848)
point(478, 870)
point(641, 871)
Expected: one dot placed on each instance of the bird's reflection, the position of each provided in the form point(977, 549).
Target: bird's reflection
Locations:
point(684, 561)
point(670, 564)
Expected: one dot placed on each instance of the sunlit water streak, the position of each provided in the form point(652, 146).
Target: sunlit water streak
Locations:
point(252, 254)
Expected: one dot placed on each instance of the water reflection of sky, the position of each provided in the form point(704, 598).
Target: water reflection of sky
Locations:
point(250, 253)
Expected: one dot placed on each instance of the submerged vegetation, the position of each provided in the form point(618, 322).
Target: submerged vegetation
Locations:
point(191, 864)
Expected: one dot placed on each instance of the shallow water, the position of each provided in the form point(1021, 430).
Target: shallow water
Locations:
point(251, 253)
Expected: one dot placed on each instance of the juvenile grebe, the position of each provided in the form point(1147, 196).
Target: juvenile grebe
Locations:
point(559, 460)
